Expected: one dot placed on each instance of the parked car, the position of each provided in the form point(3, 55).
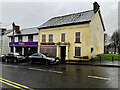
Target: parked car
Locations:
point(14, 57)
point(3, 57)
point(43, 58)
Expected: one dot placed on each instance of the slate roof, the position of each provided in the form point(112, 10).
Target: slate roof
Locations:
point(74, 18)
point(8, 31)
point(27, 31)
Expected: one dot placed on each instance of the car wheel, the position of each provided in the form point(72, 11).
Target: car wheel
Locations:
point(6, 60)
point(15, 60)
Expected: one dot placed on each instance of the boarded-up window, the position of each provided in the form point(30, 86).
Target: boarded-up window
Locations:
point(77, 51)
point(43, 38)
point(63, 37)
point(77, 37)
point(52, 50)
point(50, 37)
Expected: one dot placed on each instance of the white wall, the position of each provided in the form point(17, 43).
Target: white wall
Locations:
point(35, 38)
point(16, 39)
point(5, 43)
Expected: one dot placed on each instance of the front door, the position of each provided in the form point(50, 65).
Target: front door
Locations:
point(63, 53)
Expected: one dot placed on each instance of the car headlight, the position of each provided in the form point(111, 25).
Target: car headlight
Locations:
point(57, 60)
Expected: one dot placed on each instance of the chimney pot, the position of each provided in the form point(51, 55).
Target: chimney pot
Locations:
point(17, 29)
point(96, 7)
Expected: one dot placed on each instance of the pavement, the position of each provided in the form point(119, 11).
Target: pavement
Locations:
point(103, 63)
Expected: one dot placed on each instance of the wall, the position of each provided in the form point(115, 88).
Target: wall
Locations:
point(96, 35)
point(69, 37)
point(5, 45)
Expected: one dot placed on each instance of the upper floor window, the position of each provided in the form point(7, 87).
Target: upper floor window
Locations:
point(50, 37)
point(77, 51)
point(43, 38)
point(19, 38)
point(11, 39)
point(63, 37)
point(77, 37)
point(30, 38)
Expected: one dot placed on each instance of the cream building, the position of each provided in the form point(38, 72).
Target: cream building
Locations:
point(77, 36)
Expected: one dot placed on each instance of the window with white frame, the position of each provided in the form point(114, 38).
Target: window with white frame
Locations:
point(77, 37)
point(77, 51)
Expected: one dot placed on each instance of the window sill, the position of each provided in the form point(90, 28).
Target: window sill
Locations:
point(77, 42)
point(77, 57)
point(83, 57)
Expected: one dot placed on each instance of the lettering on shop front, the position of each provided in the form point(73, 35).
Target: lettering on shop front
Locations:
point(21, 43)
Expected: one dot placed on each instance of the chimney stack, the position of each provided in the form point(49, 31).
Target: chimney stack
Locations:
point(17, 29)
point(3, 31)
point(96, 7)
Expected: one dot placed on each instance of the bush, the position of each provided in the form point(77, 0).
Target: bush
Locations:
point(108, 57)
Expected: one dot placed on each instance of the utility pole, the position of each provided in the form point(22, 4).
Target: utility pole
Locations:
point(13, 24)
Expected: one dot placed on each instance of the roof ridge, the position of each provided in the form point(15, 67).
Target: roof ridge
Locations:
point(27, 28)
point(71, 14)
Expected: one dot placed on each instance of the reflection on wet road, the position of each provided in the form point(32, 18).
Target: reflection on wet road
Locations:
point(60, 76)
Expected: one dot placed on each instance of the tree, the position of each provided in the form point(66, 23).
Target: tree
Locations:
point(119, 41)
point(106, 42)
point(115, 40)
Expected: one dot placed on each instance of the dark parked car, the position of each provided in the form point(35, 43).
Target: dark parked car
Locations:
point(3, 57)
point(14, 57)
point(43, 58)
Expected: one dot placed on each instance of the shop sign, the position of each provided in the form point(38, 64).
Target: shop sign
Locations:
point(23, 43)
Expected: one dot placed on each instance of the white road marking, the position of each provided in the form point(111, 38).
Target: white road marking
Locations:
point(46, 70)
point(37, 69)
point(99, 77)
point(55, 71)
point(10, 66)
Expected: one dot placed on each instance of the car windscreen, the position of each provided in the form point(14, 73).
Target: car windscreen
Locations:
point(48, 55)
point(16, 54)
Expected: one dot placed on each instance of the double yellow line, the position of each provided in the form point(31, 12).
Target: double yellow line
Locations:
point(14, 84)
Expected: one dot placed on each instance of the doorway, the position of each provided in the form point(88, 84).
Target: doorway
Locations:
point(19, 50)
point(63, 53)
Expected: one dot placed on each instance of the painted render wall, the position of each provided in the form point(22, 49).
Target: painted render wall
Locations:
point(96, 35)
point(5, 43)
point(69, 37)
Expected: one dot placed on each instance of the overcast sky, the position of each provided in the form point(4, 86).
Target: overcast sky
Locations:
point(35, 12)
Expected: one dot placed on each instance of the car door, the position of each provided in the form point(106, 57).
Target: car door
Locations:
point(10, 56)
point(35, 57)
point(40, 58)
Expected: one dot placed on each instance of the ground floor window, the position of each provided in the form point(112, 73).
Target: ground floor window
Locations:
point(11, 49)
point(26, 51)
point(77, 51)
point(19, 50)
point(52, 50)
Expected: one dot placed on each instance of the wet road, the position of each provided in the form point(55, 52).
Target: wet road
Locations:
point(58, 76)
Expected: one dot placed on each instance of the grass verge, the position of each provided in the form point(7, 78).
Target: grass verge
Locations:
point(108, 57)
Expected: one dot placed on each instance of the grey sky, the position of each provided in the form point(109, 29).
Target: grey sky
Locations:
point(31, 14)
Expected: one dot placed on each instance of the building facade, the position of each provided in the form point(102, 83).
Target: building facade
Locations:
point(78, 36)
point(5, 41)
point(25, 42)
